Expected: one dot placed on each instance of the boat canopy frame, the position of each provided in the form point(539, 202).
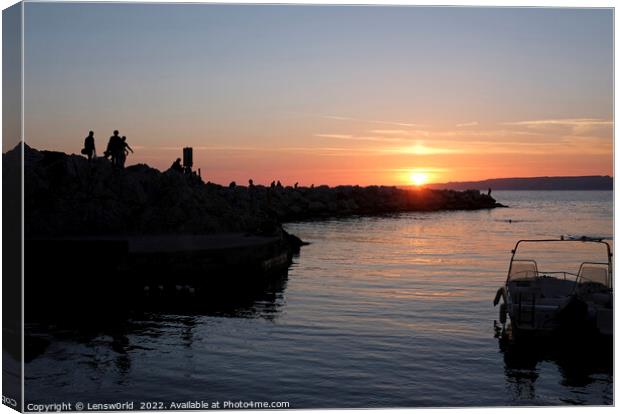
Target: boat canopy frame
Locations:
point(579, 276)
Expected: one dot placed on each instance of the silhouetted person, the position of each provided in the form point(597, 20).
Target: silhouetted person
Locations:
point(176, 166)
point(489, 192)
point(251, 182)
point(112, 150)
point(123, 151)
point(89, 146)
point(296, 184)
point(279, 184)
point(273, 184)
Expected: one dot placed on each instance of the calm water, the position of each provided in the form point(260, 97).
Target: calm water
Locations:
point(376, 312)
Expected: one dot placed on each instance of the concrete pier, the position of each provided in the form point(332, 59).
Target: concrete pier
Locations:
point(119, 273)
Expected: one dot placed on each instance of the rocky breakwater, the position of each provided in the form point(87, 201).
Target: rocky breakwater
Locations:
point(304, 203)
point(97, 235)
point(88, 222)
point(66, 195)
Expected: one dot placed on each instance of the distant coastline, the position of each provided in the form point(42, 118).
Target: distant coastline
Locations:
point(576, 183)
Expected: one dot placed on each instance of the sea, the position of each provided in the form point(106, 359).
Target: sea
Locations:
point(376, 312)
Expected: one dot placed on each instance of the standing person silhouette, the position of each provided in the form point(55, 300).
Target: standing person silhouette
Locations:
point(112, 150)
point(123, 151)
point(89, 146)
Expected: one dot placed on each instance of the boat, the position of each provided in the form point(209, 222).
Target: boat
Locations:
point(558, 286)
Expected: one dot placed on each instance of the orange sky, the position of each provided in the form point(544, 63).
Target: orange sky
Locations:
point(361, 152)
point(352, 151)
point(325, 95)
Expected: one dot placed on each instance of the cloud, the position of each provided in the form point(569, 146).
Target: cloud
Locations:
point(467, 124)
point(389, 131)
point(335, 136)
point(492, 134)
point(572, 122)
point(421, 169)
point(422, 149)
point(360, 138)
point(568, 145)
point(568, 126)
point(371, 121)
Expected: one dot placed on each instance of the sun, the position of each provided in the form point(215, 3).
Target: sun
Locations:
point(418, 179)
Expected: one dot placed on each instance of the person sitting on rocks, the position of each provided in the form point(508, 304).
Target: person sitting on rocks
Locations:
point(123, 151)
point(176, 166)
point(89, 146)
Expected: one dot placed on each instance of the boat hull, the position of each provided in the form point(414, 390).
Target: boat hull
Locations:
point(546, 306)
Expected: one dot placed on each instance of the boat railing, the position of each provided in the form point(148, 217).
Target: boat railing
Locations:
point(586, 274)
point(528, 269)
point(556, 274)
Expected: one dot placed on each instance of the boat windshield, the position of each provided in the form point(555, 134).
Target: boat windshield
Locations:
point(574, 260)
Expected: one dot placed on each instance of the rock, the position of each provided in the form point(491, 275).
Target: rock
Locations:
point(294, 242)
point(68, 195)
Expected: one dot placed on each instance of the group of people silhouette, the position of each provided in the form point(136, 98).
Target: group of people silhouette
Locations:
point(117, 149)
point(275, 184)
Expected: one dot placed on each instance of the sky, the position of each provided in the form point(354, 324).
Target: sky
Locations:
point(327, 94)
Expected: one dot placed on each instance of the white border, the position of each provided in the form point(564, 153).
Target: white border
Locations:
point(478, 3)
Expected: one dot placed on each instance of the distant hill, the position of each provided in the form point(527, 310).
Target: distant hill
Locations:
point(592, 182)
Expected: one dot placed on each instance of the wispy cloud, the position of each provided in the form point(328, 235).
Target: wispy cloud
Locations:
point(389, 131)
point(421, 169)
point(335, 136)
point(467, 124)
point(572, 122)
point(571, 136)
point(360, 138)
point(371, 121)
point(422, 149)
point(568, 126)
point(491, 134)
point(569, 145)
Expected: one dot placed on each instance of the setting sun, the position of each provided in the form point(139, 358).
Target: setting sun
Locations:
point(418, 178)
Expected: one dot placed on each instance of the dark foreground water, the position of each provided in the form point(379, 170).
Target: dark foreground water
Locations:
point(376, 312)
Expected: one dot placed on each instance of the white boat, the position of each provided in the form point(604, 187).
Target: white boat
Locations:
point(558, 286)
